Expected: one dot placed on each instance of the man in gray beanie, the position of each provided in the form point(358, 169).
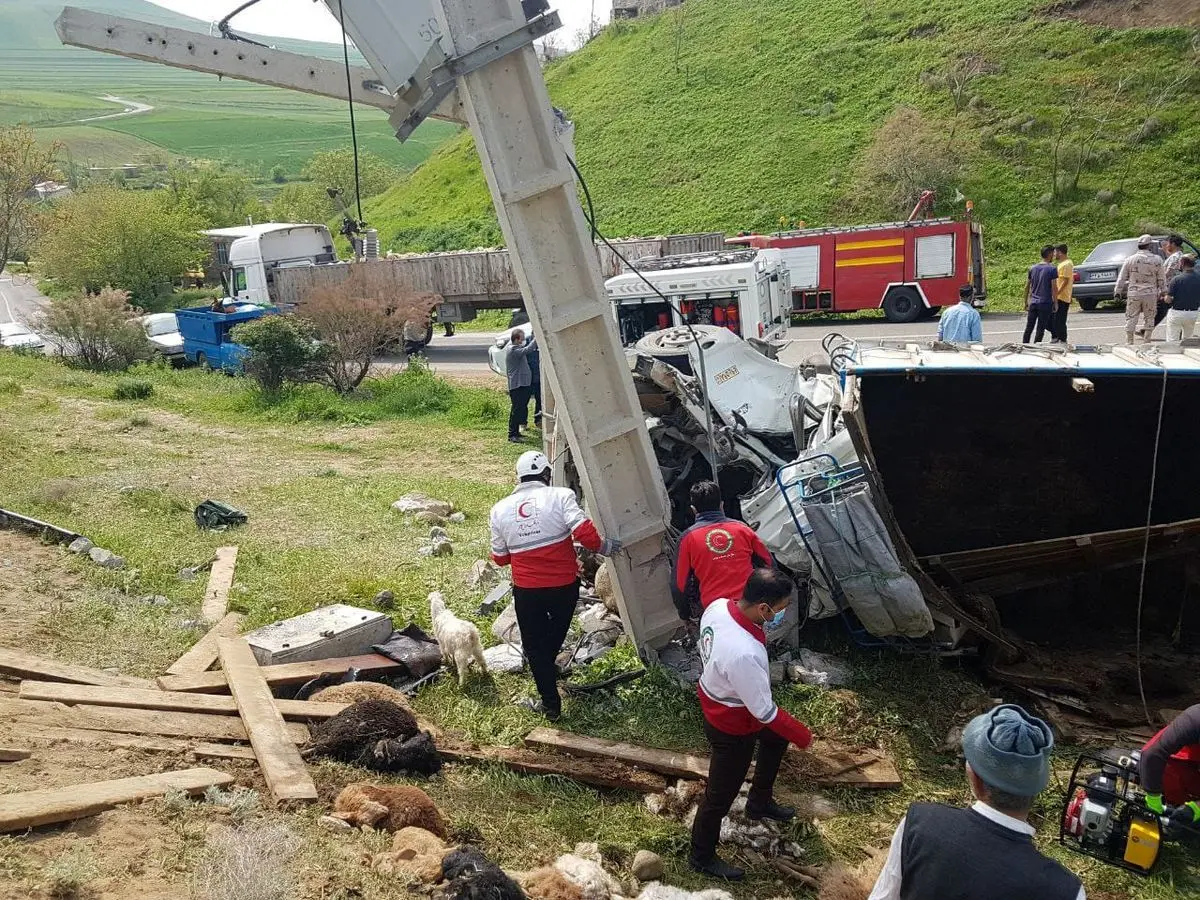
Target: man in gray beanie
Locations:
point(985, 852)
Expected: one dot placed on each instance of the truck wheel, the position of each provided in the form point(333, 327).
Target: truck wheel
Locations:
point(903, 305)
point(1087, 304)
point(202, 360)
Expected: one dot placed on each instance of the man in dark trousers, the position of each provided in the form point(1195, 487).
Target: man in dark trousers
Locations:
point(985, 852)
point(520, 381)
point(1040, 289)
point(740, 713)
point(534, 530)
point(716, 556)
point(1169, 769)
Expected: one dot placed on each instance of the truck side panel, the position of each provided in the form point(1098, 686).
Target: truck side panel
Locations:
point(865, 264)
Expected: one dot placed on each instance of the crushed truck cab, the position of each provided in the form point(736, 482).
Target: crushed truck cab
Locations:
point(206, 334)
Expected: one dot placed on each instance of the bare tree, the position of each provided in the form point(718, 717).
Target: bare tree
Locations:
point(23, 163)
point(100, 331)
point(960, 75)
point(359, 317)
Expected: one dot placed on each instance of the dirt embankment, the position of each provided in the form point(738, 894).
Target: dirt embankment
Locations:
point(1131, 13)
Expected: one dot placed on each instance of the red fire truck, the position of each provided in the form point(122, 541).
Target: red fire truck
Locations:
point(907, 269)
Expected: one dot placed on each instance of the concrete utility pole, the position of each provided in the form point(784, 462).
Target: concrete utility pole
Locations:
point(420, 53)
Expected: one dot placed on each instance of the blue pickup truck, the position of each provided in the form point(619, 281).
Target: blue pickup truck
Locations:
point(205, 333)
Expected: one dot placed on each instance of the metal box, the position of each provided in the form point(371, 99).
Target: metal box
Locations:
point(325, 633)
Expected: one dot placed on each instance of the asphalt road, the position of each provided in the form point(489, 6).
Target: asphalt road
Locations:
point(465, 354)
point(20, 300)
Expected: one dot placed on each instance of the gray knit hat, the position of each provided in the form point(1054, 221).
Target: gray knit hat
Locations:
point(1009, 750)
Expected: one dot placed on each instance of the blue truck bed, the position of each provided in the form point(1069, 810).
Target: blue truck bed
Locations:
point(205, 334)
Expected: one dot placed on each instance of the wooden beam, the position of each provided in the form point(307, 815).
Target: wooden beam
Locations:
point(286, 774)
point(203, 654)
point(826, 763)
point(137, 721)
point(600, 774)
point(220, 580)
point(223, 751)
point(677, 765)
point(14, 754)
point(285, 673)
point(26, 665)
point(64, 804)
point(54, 735)
point(168, 701)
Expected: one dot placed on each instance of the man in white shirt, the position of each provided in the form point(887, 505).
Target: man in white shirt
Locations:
point(985, 852)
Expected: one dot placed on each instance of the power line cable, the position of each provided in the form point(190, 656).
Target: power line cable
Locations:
point(350, 101)
point(1162, 402)
point(227, 32)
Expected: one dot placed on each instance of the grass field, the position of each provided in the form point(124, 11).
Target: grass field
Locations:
point(316, 475)
point(195, 115)
point(730, 114)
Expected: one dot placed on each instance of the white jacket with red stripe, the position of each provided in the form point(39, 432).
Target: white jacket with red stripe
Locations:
point(534, 529)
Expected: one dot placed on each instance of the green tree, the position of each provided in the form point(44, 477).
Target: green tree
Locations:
point(279, 174)
point(283, 350)
point(23, 163)
point(139, 241)
point(222, 196)
point(301, 202)
point(335, 169)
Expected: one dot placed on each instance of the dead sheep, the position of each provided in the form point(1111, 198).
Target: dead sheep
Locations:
point(358, 691)
point(415, 852)
point(656, 890)
point(388, 808)
point(466, 860)
point(472, 876)
point(457, 638)
point(547, 883)
point(583, 869)
point(375, 734)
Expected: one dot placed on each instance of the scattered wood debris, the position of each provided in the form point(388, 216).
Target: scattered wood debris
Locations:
point(26, 665)
point(274, 746)
point(220, 580)
point(64, 804)
point(287, 673)
point(675, 764)
point(13, 754)
point(203, 654)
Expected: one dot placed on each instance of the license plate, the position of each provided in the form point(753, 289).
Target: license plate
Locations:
point(1102, 276)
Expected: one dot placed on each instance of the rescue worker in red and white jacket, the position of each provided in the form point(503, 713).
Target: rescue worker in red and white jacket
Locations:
point(716, 556)
point(740, 713)
point(534, 530)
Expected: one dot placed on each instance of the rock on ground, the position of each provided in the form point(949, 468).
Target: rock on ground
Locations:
point(456, 518)
point(429, 518)
point(819, 669)
point(504, 658)
point(604, 587)
point(647, 866)
point(505, 628)
point(80, 545)
point(418, 502)
point(385, 599)
point(106, 558)
point(484, 575)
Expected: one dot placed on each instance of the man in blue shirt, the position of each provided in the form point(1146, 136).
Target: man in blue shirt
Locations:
point(1040, 291)
point(961, 324)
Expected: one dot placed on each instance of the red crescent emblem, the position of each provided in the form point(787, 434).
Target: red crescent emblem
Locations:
point(521, 510)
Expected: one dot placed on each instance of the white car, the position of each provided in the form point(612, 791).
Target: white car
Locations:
point(13, 335)
point(498, 352)
point(162, 330)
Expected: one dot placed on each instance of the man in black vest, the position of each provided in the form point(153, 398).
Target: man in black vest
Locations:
point(985, 852)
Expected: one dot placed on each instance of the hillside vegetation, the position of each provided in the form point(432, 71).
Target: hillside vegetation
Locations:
point(735, 114)
point(52, 87)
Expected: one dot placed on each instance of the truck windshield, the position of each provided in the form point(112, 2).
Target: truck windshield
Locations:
point(1112, 252)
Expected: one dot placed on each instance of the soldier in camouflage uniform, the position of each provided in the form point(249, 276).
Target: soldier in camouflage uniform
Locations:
point(1141, 283)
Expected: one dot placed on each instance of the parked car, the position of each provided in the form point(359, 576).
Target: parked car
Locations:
point(1096, 276)
point(162, 330)
point(13, 335)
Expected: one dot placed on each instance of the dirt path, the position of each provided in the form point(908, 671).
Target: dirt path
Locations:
point(132, 108)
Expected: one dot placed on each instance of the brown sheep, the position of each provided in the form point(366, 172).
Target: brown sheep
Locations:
point(388, 808)
point(415, 852)
point(547, 883)
point(358, 691)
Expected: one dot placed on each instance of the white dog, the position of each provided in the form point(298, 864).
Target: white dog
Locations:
point(458, 638)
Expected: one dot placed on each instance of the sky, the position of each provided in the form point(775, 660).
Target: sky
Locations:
point(311, 19)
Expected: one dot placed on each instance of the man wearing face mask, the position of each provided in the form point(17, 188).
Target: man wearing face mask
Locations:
point(740, 713)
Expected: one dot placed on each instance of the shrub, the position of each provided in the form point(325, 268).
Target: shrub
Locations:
point(414, 392)
point(357, 318)
point(283, 350)
point(908, 156)
point(248, 863)
point(100, 331)
point(133, 389)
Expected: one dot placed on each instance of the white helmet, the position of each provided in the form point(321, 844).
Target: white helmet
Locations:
point(532, 462)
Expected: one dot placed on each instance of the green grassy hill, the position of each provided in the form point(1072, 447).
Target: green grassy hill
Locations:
point(52, 87)
point(732, 114)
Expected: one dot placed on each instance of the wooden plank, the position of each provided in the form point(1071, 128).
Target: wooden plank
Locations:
point(26, 665)
point(607, 774)
point(678, 765)
point(826, 763)
point(14, 754)
point(285, 673)
point(203, 654)
point(203, 726)
point(64, 804)
point(168, 701)
point(220, 580)
point(223, 751)
point(44, 734)
point(286, 774)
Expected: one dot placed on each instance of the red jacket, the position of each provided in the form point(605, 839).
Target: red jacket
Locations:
point(716, 557)
point(534, 530)
point(1170, 762)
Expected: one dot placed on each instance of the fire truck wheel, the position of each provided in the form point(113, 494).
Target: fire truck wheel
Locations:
point(903, 305)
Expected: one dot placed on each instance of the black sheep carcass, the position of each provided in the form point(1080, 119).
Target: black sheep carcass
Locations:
point(375, 734)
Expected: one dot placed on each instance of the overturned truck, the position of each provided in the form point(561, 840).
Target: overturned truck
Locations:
point(1020, 503)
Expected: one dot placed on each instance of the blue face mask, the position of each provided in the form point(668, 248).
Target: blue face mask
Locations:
point(775, 621)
